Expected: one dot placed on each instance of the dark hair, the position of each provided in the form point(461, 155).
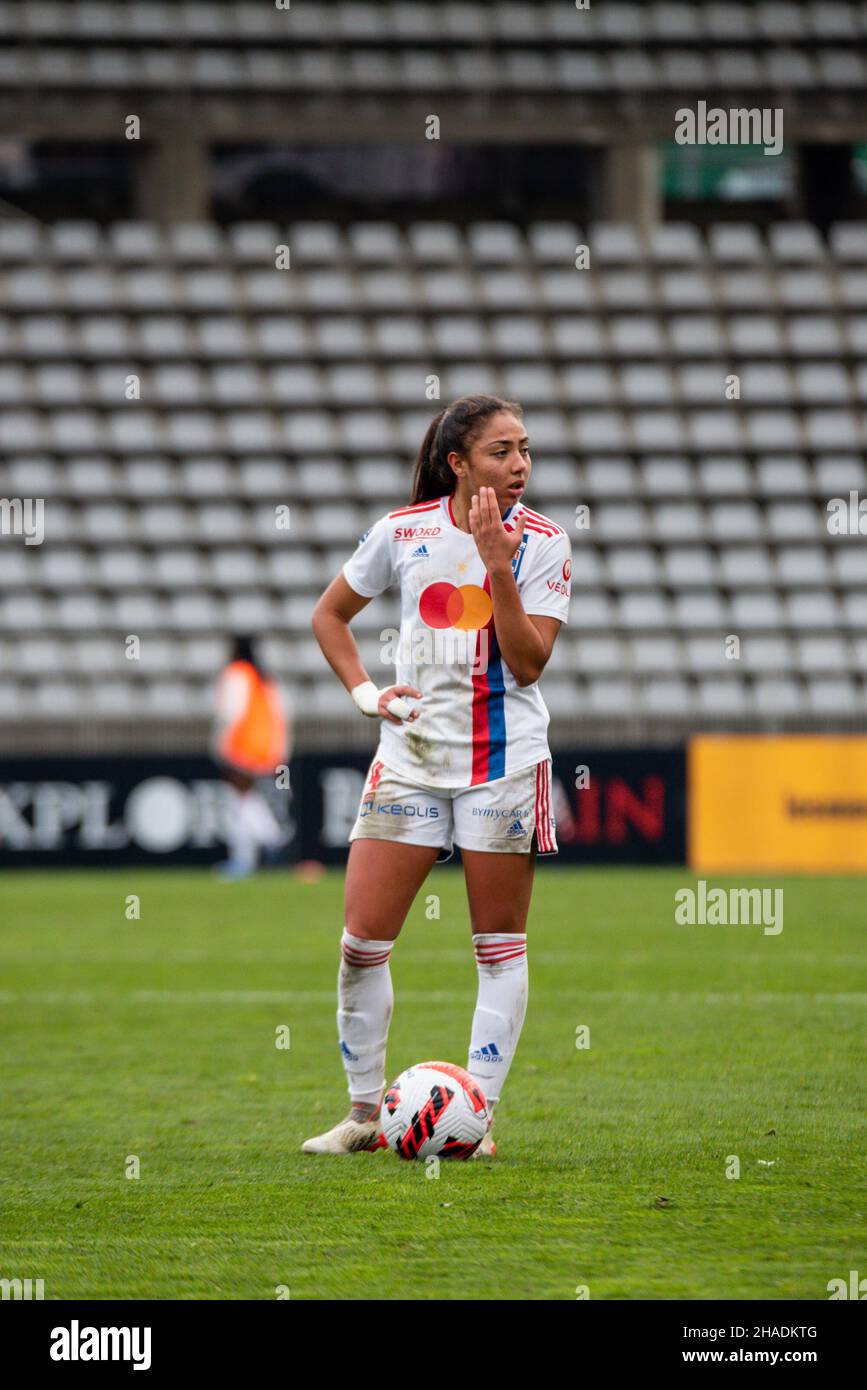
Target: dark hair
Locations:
point(453, 430)
point(244, 649)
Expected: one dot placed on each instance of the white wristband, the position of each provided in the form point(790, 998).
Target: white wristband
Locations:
point(367, 697)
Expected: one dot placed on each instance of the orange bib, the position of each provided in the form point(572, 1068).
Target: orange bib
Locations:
point(256, 740)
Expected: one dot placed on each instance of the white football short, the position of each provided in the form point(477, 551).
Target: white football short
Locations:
point(499, 817)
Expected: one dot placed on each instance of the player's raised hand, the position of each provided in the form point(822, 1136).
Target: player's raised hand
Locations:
point(495, 544)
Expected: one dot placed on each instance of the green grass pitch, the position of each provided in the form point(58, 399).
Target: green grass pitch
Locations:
point(156, 1039)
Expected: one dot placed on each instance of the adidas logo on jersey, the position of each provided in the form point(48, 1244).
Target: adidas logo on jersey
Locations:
point(421, 554)
point(489, 1053)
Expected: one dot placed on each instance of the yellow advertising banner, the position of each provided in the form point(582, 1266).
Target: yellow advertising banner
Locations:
point(773, 804)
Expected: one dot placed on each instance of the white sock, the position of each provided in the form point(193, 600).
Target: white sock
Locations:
point(261, 823)
point(364, 1003)
point(241, 841)
point(501, 958)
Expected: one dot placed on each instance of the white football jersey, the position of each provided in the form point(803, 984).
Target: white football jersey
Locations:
point(476, 724)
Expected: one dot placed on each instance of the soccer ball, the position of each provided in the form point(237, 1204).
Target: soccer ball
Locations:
point(434, 1108)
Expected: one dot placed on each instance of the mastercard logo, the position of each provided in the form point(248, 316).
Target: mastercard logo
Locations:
point(445, 605)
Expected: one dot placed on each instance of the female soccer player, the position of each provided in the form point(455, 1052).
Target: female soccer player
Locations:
point(463, 755)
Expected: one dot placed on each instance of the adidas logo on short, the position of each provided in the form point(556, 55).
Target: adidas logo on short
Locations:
point(516, 828)
point(421, 554)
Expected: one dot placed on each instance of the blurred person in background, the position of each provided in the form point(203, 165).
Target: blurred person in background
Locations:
point(250, 742)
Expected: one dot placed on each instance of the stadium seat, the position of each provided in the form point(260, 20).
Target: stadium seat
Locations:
point(309, 389)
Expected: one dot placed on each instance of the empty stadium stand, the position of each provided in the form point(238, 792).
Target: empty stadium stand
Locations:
point(203, 72)
point(255, 388)
point(314, 45)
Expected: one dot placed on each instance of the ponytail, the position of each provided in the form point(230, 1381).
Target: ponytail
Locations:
point(452, 431)
point(432, 476)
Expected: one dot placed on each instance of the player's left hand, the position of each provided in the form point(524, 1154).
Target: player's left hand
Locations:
point(494, 543)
